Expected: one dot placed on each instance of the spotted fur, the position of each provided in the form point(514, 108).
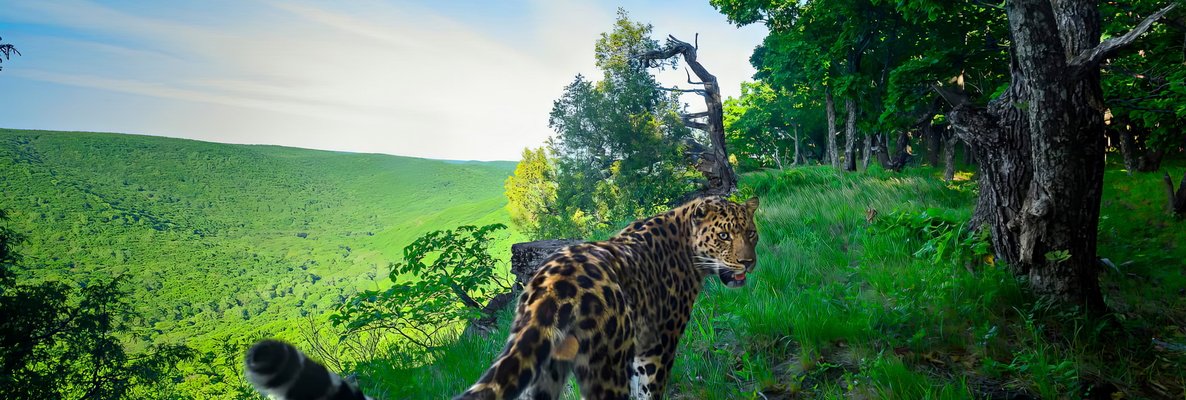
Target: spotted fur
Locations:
point(613, 312)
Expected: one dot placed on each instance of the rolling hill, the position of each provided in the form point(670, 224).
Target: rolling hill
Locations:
point(219, 240)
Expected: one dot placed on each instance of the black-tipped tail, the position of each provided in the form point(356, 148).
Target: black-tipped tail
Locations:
point(279, 369)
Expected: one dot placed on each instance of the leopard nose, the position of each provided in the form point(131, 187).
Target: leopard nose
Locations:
point(748, 263)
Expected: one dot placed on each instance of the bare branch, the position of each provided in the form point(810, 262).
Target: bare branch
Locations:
point(701, 114)
point(697, 91)
point(690, 78)
point(1097, 54)
point(954, 96)
point(696, 125)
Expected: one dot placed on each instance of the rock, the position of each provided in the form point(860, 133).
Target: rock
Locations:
point(526, 257)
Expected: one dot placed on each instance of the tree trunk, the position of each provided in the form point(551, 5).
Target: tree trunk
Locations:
point(949, 156)
point(795, 161)
point(833, 154)
point(934, 140)
point(901, 155)
point(1137, 155)
point(714, 163)
point(1128, 146)
point(1177, 201)
point(879, 150)
point(850, 134)
point(867, 150)
point(1045, 136)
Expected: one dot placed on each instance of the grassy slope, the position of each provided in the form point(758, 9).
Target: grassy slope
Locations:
point(209, 235)
point(840, 308)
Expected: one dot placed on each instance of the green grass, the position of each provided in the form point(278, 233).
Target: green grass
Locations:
point(224, 243)
point(841, 308)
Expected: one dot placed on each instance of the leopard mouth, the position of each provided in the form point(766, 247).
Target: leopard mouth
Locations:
point(733, 279)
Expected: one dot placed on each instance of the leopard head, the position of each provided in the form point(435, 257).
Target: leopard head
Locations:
point(724, 237)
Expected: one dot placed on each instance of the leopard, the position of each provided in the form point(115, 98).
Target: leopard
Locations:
point(612, 312)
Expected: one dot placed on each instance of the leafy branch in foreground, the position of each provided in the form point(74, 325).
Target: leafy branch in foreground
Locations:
point(446, 277)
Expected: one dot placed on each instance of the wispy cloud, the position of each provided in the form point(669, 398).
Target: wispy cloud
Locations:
point(359, 76)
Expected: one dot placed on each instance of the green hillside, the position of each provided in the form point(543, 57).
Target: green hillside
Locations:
point(222, 241)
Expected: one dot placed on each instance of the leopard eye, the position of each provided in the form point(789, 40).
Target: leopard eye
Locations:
point(753, 234)
point(724, 235)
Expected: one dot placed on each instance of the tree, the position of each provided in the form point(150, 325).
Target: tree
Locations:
point(7, 50)
point(446, 278)
point(766, 127)
point(713, 162)
point(619, 141)
point(1144, 89)
point(59, 341)
point(531, 194)
point(1048, 127)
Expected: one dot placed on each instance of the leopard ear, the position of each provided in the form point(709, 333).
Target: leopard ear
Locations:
point(704, 205)
point(752, 204)
point(700, 210)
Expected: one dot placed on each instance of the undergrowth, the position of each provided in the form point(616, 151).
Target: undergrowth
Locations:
point(871, 285)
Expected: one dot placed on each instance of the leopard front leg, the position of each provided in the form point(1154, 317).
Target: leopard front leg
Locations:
point(651, 368)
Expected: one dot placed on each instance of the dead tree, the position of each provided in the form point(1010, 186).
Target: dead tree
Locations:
point(713, 160)
point(7, 50)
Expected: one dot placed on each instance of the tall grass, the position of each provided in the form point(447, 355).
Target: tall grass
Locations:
point(905, 306)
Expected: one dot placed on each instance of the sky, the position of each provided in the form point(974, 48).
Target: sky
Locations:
point(446, 79)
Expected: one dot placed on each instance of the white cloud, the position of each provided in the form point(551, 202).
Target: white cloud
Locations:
point(361, 76)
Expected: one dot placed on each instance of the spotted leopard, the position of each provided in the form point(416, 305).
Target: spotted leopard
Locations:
point(610, 312)
point(613, 312)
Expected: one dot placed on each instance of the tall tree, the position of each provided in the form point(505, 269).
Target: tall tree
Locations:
point(1048, 125)
point(713, 162)
point(619, 141)
point(531, 194)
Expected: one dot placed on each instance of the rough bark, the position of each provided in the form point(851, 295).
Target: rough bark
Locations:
point(713, 163)
point(833, 154)
point(1040, 147)
point(850, 134)
point(526, 257)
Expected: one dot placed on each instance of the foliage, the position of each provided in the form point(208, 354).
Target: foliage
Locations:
point(841, 308)
point(760, 126)
point(882, 56)
point(617, 149)
point(208, 237)
point(1145, 86)
point(446, 278)
point(531, 196)
point(944, 233)
point(62, 341)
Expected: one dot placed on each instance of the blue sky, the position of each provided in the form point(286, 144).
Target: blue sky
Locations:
point(463, 79)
